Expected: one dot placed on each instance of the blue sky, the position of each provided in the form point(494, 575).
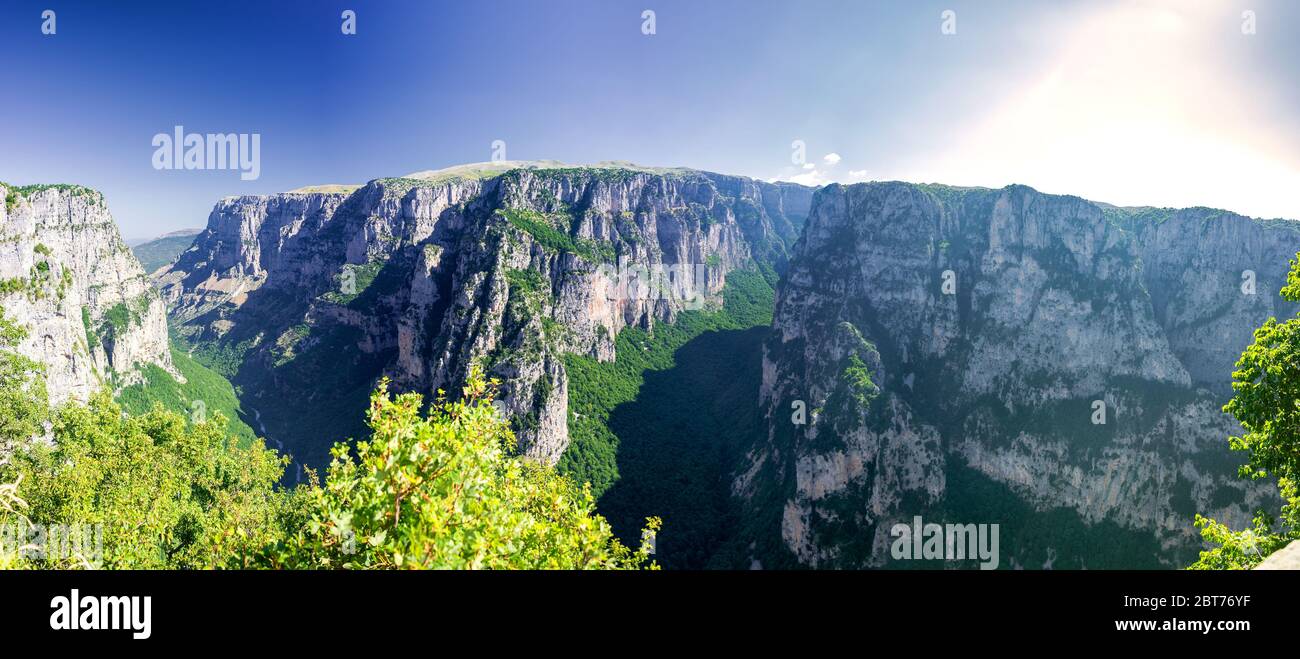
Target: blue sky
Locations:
point(1134, 102)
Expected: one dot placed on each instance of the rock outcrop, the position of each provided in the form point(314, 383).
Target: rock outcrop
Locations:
point(1213, 277)
point(416, 278)
point(1286, 558)
point(1074, 354)
point(92, 317)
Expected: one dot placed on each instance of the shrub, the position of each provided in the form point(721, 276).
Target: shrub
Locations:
point(443, 491)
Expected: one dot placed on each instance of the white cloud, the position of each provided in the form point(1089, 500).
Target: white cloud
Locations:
point(808, 165)
point(831, 158)
point(813, 178)
point(816, 177)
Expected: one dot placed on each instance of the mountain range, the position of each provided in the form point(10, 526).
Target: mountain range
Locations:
point(781, 373)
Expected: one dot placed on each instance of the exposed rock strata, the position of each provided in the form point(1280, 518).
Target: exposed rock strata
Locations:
point(511, 269)
point(989, 322)
point(92, 317)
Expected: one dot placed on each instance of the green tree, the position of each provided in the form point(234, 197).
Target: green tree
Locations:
point(1266, 403)
point(441, 490)
point(24, 408)
point(167, 493)
point(23, 402)
point(444, 491)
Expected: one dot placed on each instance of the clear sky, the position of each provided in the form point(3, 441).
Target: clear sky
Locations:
point(1132, 102)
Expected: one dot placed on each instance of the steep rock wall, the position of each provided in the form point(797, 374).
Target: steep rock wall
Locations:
point(929, 330)
point(92, 317)
point(509, 269)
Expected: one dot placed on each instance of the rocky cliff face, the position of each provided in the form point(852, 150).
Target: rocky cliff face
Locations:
point(66, 275)
point(1213, 278)
point(304, 294)
point(1073, 355)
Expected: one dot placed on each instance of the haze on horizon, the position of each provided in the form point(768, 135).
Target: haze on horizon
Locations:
point(1155, 102)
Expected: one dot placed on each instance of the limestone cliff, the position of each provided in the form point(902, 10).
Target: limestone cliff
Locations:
point(1073, 354)
point(65, 274)
point(310, 297)
point(1213, 277)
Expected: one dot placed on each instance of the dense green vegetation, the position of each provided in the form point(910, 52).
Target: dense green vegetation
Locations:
point(159, 488)
point(543, 229)
point(435, 490)
point(443, 491)
point(857, 378)
point(204, 392)
point(319, 386)
point(23, 397)
point(655, 431)
point(161, 251)
point(1056, 537)
point(167, 493)
point(222, 358)
point(315, 382)
point(353, 281)
point(527, 282)
point(24, 407)
point(118, 318)
point(1266, 385)
point(92, 339)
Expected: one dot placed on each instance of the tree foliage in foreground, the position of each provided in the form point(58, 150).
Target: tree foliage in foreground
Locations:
point(441, 490)
point(1267, 405)
point(23, 403)
point(162, 492)
point(23, 410)
point(168, 493)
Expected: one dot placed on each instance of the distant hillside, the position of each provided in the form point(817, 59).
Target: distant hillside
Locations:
point(164, 249)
